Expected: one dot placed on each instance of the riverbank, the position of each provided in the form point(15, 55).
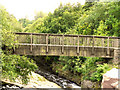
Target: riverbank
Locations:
point(36, 81)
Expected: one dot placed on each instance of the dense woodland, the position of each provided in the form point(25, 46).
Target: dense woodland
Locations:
point(93, 18)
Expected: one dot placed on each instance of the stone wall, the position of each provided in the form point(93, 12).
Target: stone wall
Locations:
point(117, 52)
point(116, 56)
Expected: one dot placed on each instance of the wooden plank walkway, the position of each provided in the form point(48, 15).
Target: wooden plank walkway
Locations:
point(65, 45)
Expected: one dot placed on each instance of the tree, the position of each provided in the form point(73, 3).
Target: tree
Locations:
point(9, 22)
point(63, 18)
point(25, 22)
point(13, 66)
point(39, 15)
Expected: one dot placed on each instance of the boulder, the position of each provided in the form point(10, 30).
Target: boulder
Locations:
point(111, 79)
point(76, 87)
point(89, 84)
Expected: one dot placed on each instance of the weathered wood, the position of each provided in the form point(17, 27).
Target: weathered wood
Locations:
point(108, 50)
point(23, 44)
point(85, 41)
point(68, 51)
point(74, 40)
point(62, 44)
point(90, 36)
point(78, 45)
point(14, 44)
point(102, 42)
point(70, 41)
point(54, 40)
point(60, 41)
point(47, 43)
point(88, 40)
point(112, 43)
point(31, 42)
point(93, 45)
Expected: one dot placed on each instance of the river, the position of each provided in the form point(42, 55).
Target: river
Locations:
point(60, 81)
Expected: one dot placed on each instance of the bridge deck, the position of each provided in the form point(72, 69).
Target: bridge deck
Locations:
point(65, 45)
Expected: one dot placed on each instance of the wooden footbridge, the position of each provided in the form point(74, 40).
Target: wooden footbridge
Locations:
point(67, 45)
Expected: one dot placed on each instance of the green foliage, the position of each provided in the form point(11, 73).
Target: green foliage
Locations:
point(71, 63)
point(9, 22)
point(108, 27)
point(8, 39)
point(86, 67)
point(39, 15)
point(25, 22)
point(36, 27)
point(100, 19)
point(93, 18)
point(63, 19)
point(93, 72)
point(100, 70)
point(14, 66)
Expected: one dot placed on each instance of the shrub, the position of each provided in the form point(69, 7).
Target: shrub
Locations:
point(86, 67)
point(100, 70)
point(14, 66)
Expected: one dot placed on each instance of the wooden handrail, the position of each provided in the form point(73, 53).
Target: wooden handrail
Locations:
point(27, 44)
point(66, 35)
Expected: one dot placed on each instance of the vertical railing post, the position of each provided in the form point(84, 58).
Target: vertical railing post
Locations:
point(108, 48)
point(31, 42)
point(78, 45)
point(112, 43)
point(60, 41)
point(54, 40)
point(102, 42)
point(84, 41)
point(87, 41)
point(74, 41)
point(93, 45)
point(15, 44)
point(47, 43)
point(62, 44)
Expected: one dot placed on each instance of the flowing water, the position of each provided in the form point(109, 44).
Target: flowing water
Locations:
point(62, 82)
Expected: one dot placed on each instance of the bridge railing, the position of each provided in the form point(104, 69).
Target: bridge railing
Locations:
point(66, 40)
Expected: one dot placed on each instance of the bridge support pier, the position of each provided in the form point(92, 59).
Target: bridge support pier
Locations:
point(116, 56)
point(116, 59)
